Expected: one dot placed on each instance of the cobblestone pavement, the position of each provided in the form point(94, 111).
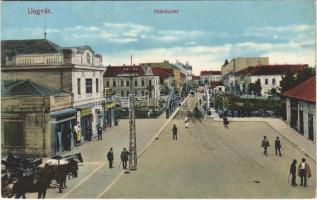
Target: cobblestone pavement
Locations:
point(209, 161)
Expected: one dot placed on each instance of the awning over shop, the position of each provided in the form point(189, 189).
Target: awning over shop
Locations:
point(66, 111)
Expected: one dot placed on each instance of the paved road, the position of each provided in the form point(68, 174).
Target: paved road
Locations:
point(94, 175)
point(209, 161)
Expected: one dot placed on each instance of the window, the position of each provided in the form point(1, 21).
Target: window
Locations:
point(114, 84)
point(135, 83)
point(273, 81)
point(88, 85)
point(107, 84)
point(122, 93)
point(13, 134)
point(150, 82)
point(135, 92)
point(78, 86)
point(127, 93)
point(142, 92)
point(97, 85)
point(127, 83)
point(142, 83)
point(122, 84)
point(266, 81)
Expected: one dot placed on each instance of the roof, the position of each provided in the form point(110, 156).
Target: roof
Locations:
point(164, 64)
point(259, 70)
point(196, 77)
point(305, 91)
point(26, 87)
point(28, 47)
point(114, 71)
point(210, 73)
point(182, 75)
point(162, 72)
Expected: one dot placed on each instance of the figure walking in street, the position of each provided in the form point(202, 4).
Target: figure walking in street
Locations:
point(278, 146)
point(110, 157)
point(99, 131)
point(292, 172)
point(124, 158)
point(89, 132)
point(303, 172)
point(186, 122)
point(265, 144)
point(174, 130)
point(225, 121)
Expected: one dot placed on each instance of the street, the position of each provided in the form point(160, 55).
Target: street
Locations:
point(207, 161)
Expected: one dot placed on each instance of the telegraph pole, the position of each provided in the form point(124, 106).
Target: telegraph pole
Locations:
point(132, 139)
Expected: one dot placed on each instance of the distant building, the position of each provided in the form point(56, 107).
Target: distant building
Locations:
point(237, 64)
point(301, 108)
point(185, 69)
point(166, 79)
point(167, 65)
point(269, 76)
point(43, 64)
point(208, 77)
point(196, 79)
point(144, 81)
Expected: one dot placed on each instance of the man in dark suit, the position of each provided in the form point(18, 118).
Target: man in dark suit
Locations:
point(278, 146)
point(110, 157)
point(174, 130)
point(265, 144)
point(292, 172)
point(124, 158)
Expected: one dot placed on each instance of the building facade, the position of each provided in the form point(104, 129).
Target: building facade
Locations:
point(75, 70)
point(208, 77)
point(301, 108)
point(238, 64)
point(144, 82)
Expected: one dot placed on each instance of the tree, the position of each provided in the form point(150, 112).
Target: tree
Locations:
point(257, 88)
point(291, 79)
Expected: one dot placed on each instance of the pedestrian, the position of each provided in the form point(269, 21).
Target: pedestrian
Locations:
point(174, 130)
point(186, 122)
point(225, 121)
point(99, 131)
point(68, 138)
point(110, 157)
point(303, 172)
point(78, 135)
point(124, 158)
point(89, 132)
point(292, 172)
point(265, 144)
point(278, 146)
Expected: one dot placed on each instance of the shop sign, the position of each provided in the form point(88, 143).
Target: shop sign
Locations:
point(110, 105)
point(108, 92)
point(85, 112)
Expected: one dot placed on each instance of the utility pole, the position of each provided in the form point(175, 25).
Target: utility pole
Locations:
point(132, 139)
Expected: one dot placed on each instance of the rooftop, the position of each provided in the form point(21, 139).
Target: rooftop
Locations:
point(26, 88)
point(271, 69)
point(210, 73)
point(305, 91)
point(113, 71)
point(162, 72)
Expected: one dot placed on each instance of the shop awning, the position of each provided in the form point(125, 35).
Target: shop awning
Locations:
point(63, 112)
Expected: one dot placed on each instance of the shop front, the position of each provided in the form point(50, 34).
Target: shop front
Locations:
point(62, 123)
point(110, 113)
point(86, 123)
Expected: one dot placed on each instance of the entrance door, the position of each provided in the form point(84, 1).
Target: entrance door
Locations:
point(311, 127)
point(301, 122)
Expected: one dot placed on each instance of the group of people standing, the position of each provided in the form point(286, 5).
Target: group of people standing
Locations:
point(124, 156)
point(265, 144)
point(303, 171)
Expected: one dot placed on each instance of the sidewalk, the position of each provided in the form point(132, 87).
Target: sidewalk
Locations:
point(299, 141)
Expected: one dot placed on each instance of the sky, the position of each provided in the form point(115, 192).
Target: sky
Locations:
point(202, 33)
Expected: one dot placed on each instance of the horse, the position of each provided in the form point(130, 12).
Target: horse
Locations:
point(60, 169)
point(38, 182)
